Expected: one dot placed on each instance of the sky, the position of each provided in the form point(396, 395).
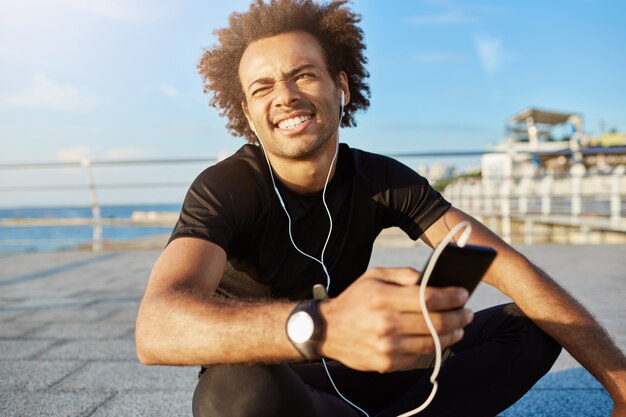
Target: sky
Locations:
point(117, 79)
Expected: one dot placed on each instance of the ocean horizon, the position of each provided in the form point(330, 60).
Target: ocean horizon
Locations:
point(38, 238)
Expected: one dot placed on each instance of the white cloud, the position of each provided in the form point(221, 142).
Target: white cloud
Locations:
point(43, 93)
point(452, 14)
point(91, 152)
point(491, 53)
point(435, 58)
point(77, 153)
point(128, 153)
point(168, 90)
point(140, 11)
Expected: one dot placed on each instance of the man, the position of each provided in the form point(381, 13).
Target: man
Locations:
point(293, 209)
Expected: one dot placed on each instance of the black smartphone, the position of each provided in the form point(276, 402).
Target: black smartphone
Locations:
point(461, 266)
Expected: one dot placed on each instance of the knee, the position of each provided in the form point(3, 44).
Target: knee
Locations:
point(236, 390)
point(538, 344)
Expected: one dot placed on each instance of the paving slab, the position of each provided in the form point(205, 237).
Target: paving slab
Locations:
point(32, 375)
point(111, 350)
point(44, 404)
point(67, 333)
point(9, 329)
point(23, 348)
point(73, 330)
point(123, 314)
point(18, 264)
point(156, 403)
point(119, 376)
point(63, 314)
point(571, 379)
point(562, 403)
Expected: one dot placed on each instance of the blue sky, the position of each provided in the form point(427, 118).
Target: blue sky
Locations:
point(117, 78)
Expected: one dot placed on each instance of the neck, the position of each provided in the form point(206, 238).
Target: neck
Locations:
point(309, 175)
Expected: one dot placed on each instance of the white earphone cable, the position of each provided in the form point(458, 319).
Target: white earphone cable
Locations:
point(424, 282)
point(422, 299)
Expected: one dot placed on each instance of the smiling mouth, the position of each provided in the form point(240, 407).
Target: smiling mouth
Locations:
point(294, 122)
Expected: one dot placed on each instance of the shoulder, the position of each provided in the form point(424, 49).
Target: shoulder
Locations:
point(235, 188)
point(382, 171)
point(243, 162)
point(239, 174)
point(225, 199)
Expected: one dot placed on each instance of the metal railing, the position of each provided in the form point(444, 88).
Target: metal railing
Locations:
point(96, 221)
point(596, 201)
point(581, 200)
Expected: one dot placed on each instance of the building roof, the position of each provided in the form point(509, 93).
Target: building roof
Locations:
point(541, 116)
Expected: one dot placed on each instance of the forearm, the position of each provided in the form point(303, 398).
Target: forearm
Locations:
point(184, 329)
point(565, 319)
point(547, 304)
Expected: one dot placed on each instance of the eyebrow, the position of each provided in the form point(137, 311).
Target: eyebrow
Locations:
point(288, 74)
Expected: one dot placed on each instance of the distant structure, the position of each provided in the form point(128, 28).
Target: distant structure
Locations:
point(437, 171)
point(542, 142)
point(547, 181)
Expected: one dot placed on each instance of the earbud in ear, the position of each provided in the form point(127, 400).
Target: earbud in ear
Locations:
point(342, 98)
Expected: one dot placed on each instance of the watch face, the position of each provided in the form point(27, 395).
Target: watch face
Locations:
point(300, 327)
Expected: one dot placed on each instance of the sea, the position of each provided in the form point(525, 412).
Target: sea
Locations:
point(54, 238)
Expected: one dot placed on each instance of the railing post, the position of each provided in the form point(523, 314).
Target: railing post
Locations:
point(616, 200)
point(489, 196)
point(546, 194)
point(466, 193)
point(523, 190)
point(96, 244)
point(477, 197)
point(505, 208)
point(577, 173)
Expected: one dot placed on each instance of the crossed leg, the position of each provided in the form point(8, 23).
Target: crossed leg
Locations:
point(500, 358)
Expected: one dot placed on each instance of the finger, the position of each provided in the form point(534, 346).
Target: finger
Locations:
point(419, 345)
point(406, 298)
point(404, 353)
point(449, 298)
point(388, 295)
point(445, 322)
point(399, 276)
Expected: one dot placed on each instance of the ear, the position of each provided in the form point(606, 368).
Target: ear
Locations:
point(342, 84)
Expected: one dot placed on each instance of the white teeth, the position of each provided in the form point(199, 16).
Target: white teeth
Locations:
point(293, 122)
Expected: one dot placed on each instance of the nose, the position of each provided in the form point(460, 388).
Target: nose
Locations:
point(287, 94)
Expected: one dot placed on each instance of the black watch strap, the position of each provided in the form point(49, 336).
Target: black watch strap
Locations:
point(309, 349)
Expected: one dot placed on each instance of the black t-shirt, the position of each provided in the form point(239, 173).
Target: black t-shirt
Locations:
point(233, 204)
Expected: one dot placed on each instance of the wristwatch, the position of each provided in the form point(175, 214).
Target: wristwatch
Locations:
point(306, 329)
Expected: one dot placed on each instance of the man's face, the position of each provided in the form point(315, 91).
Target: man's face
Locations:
point(291, 98)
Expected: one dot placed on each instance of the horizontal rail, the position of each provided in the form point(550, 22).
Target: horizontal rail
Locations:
point(55, 187)
point(104, 163)
point(600, 194)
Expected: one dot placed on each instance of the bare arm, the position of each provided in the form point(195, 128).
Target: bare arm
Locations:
point(374, 325)
point(548, 305)
point(181, 322)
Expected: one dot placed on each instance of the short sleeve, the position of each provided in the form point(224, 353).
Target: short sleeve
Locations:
point(407, 199)
point(223, 202)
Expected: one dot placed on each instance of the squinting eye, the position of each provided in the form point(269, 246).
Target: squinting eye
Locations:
point(304, 76)
point(260, 91)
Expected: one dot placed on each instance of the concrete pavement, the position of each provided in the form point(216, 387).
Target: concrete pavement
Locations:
point(67, 323)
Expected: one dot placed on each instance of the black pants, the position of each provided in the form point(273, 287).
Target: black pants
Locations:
point(500, 358)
